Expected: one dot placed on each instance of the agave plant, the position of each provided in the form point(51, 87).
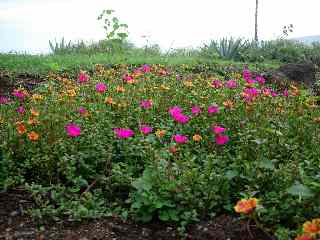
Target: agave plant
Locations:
point(226, 48)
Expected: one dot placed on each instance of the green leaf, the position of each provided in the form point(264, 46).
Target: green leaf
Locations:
point(267, 164)
point(300, 190)
point(230, 174)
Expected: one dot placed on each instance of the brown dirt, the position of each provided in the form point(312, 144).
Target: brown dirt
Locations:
point(16, 224)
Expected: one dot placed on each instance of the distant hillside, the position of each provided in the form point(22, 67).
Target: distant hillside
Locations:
point(308, 39)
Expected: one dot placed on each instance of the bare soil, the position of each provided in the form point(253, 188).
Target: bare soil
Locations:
point(16, 224)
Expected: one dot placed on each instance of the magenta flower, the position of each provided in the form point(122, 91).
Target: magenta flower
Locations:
point(213, 109)
point(146, 68)
point(146, 104)
point(246, 74)
point(72, 130)
point(123, 132)
point(285, 93)
point(218, 129)
point(221, 139)
point(260, 80)
point(83, 111)
point(101, 87)
point(216, 84)
point(175, 110)
point(232, 84)
point(145, 129)
point(181, 118)
point(195, 110)
point(250, 81)
point(19, 94)
point(83, 77)
point(4, 100)
point(127, 78)
point(274, 94)
point(20, 110)
point(181, 139)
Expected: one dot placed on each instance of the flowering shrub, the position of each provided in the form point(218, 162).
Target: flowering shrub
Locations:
point(142, 142)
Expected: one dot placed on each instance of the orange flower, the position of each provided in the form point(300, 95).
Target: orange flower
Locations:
point(246, 206)
point(120, 89)
point(188, 84)
point(228, 104)
point(34, 112)
point(160, 133)
point(21, 128)
point(197, 138)
point(33, 136)
point(33, 121)
point(108, 100)
point(312, 227)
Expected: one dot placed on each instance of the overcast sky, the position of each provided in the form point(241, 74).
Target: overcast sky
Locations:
point(27, 25)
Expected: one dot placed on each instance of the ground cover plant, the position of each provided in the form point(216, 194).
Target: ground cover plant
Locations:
point(152, 142)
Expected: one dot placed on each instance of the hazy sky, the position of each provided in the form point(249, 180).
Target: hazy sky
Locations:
point(27, 25)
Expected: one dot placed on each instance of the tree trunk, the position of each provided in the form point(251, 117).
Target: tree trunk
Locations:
point(256, 23)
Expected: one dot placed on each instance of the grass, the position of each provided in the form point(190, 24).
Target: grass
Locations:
point(42, 64)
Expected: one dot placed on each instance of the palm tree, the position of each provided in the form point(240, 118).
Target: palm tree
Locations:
point(256, 23)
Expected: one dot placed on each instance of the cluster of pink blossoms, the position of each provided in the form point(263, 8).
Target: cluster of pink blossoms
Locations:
point(178, 116)
point(219, 137)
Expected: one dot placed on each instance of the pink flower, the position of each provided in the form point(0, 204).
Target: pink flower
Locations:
point(180, 118)
point(266, 92)
point(127, 78)
point(181, 139)
point(73, 130)
point(83, 77)
point(101, 87)
point(213, 109)
point(232, 84)
point(145, 129)
point(260, 80)
point(285, 93)
point(175, 110)
point(146, 68)
point(216, 84)
point(221, 139)
point(218, 129)
point(250, 81)
point(123, 132)
point(195, 110)
point(274, 94)
point(146, 104)
point(20, 110)
point(19, 94)
point(83, 111)
point(246, 74)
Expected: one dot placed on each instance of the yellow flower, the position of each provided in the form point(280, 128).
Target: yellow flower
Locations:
point(71, 92)
point(33, 136)
point(160, 133)
point(188, 84)
point(164, 87)
point(37, 97)
point(197, 138)
point(1, 120)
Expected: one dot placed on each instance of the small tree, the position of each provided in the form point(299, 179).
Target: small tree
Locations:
point(116, 32)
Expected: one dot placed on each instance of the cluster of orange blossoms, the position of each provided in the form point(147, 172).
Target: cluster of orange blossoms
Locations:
point(246, 206)
point(311, 229)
